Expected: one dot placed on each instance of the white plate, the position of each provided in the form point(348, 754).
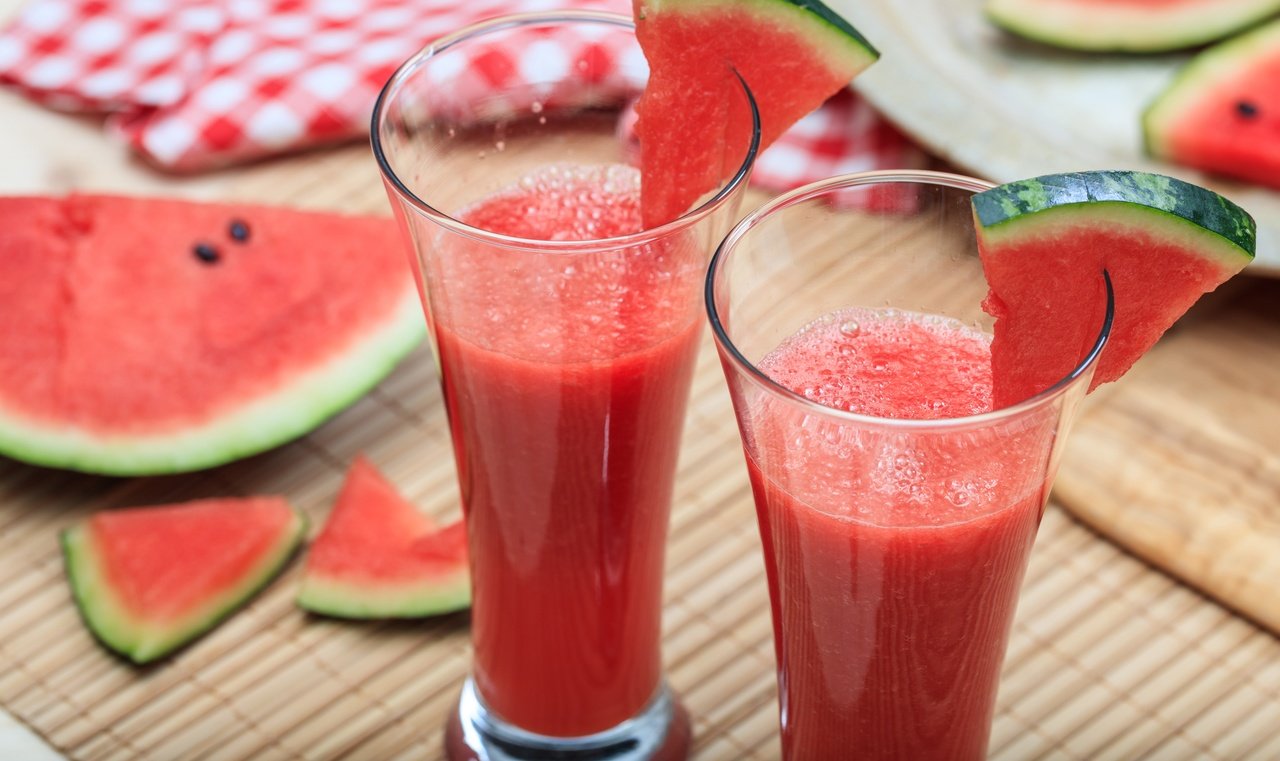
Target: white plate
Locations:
point(1007, 109)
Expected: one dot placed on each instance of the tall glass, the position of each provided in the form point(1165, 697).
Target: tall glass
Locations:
point(894, 546)
point(565, 336)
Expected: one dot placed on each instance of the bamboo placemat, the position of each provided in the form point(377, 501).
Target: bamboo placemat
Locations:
point(1109, 659)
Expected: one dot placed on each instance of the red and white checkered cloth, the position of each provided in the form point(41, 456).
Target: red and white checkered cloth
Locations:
point(195, 84)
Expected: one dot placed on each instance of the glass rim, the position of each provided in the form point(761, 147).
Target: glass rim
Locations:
point(924, 177)
point(510, 21)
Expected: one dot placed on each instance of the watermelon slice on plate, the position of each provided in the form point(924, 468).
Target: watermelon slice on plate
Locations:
point(1142, 26)
point(379, 557)
point(1045, 243)
point(693, 124)
point(1221, 113)
point(150, 336)
point(149, 580)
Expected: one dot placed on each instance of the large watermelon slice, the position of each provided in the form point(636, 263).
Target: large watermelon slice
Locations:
point(1143, 26)
point(1222, 111)
point(149, 336)
point(149, 580)
point(1045, 243)
point(378, 557)
point(693, 124)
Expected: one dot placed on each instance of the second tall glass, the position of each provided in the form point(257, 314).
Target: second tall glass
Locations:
point(897, 512)
point(565, 335)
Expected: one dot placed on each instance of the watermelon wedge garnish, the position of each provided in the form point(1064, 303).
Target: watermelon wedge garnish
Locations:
point(147, 336)
point(149, 580)
point(1046, 242)
point(379, 557)
point(693, 124)
point(1142, 26)
point(1221, 113)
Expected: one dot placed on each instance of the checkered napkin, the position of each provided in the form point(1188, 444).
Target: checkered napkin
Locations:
point(195, 84)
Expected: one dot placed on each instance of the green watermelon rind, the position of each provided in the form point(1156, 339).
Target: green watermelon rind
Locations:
point(111, 625)
point(1132, 30)
point(1199, 76)
point(821, 27)
point(1203, 221)
point(291, 411)
point(376, 599)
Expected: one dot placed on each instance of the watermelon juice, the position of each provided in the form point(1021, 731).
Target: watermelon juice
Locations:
point(894, 555)
point(565, 378)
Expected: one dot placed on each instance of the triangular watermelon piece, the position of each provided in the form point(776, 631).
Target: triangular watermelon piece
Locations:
point(150, 336)
point(149, 580)
point(693, 123)
point(1045, 243)
point(379, 557)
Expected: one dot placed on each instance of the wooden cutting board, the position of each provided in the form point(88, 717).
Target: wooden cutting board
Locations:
point(1180, 461)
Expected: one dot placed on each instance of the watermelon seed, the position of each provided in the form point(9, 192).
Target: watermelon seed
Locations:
point(239, 230)
point(206, 253)
point(1246, 109)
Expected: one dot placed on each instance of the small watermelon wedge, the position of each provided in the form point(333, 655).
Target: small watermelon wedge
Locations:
point(693, 125)
point(1045, 243)
point(1221, 113)
point(1137, 26)
point(379, 557)
point(149, 580)
point(145, 336)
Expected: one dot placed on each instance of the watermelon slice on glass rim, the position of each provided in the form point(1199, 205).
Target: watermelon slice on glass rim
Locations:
point(149, 580)
point(148, 336)
point(1046, 242)
point(691, 120)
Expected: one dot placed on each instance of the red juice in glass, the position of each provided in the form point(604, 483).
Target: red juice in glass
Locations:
point(896, 509)
point(563, 433)
point(877, 581)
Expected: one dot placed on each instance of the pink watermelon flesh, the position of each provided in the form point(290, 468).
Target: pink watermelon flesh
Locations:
point(1049, 300)
point(34, 242)
point(1222, 114)
point(149, 580)
point(694, 123)
point(379, 557)
point(118, 335)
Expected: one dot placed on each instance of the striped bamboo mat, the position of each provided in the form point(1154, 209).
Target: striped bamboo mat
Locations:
point(1109, 658)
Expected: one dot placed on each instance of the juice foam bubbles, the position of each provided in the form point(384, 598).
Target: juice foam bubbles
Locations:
point(558, 305)
point(894, 365)
point(562, 202)
point(887, 363)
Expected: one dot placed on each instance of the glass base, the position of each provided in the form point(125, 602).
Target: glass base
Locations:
point(658, 733)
